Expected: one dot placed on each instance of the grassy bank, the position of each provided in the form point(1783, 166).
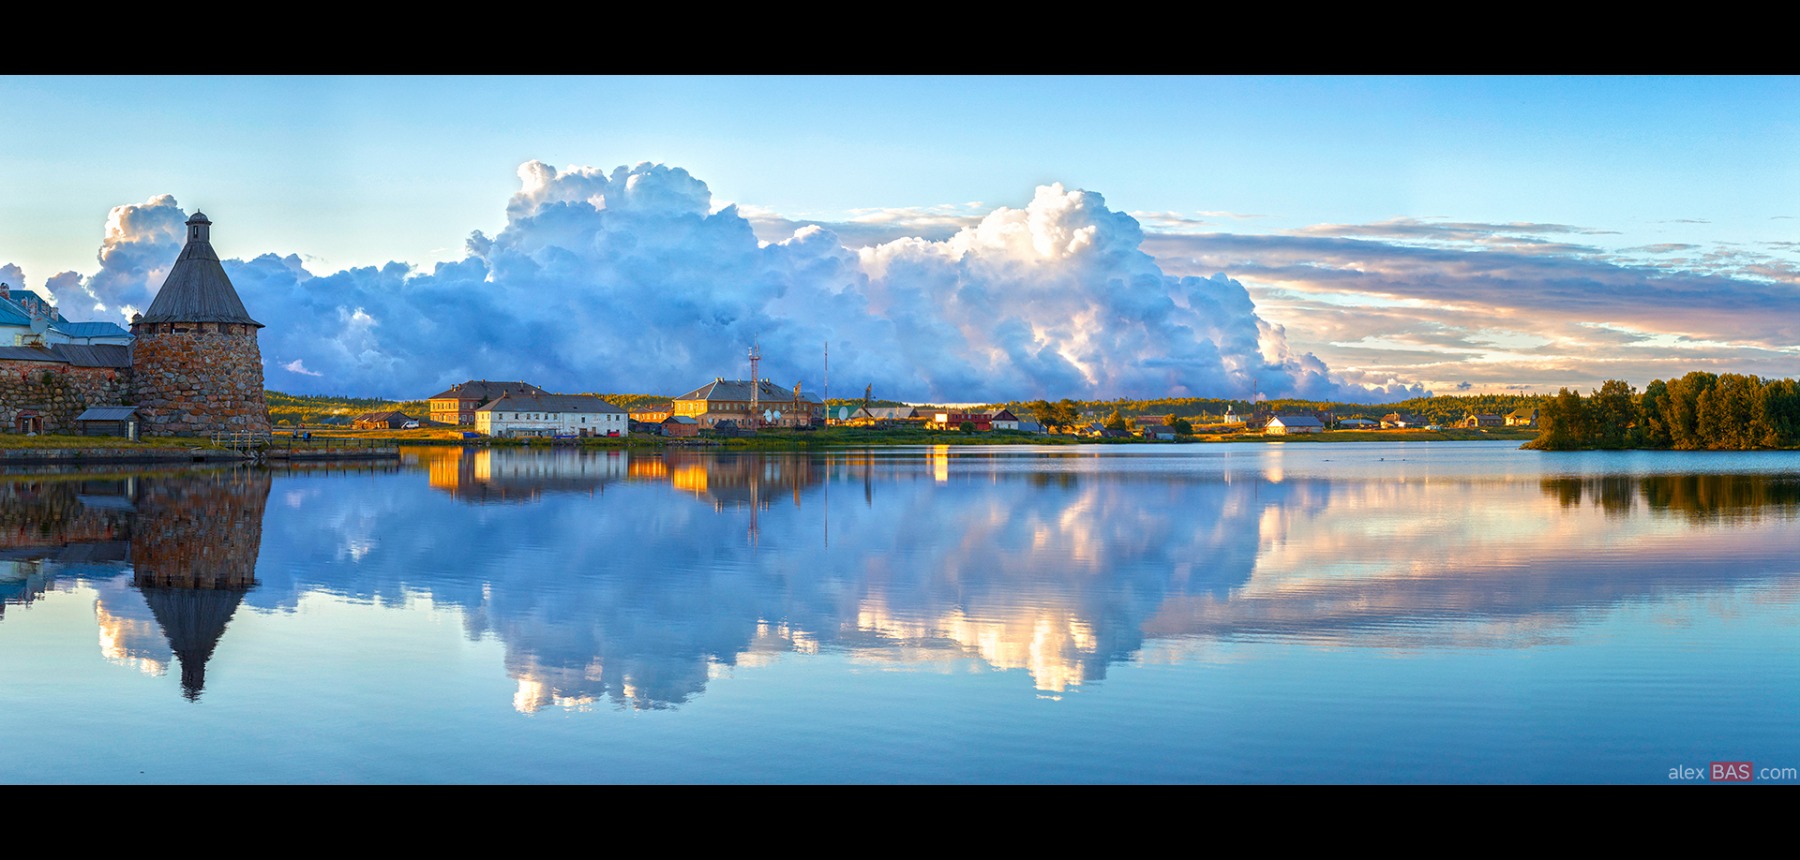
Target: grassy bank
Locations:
point(20, 440)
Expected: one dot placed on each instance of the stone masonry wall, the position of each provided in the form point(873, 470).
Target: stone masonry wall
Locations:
point(58, 392)
point(195, 379)
point(201, 530)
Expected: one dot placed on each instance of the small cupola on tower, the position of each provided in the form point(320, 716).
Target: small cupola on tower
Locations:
point(199, 229)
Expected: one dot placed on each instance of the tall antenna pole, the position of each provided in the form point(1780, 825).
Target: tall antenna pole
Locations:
point(827, 395)
point(755, 389)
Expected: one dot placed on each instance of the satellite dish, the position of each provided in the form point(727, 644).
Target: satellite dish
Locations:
point(843, 413)
point(776, 416)
point(768, 416)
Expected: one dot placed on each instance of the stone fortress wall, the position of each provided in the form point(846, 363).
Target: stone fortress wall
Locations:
point(196, 379)
point(59, 392)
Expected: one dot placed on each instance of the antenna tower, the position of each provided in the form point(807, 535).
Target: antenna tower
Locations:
point(755, 388)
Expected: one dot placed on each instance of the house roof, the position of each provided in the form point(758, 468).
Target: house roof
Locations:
point(74, 354)
point(1297, 421)
point(483, 390)
point(108, 413)
point(740, 390)
point(91, 329)
point(510, 402)
point(384, 416)
point(197, 289)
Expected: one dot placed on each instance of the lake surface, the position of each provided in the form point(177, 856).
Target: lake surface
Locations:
point(1382, 612)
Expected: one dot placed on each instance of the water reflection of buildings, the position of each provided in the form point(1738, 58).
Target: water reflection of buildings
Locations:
point(190, 542)
point(500, 475)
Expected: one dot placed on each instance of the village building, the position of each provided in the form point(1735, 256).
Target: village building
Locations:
point(1485, 419)
point(456, 405)
point(1157, 431)
point(1288, 425)
point(108, 421)
point(747, 407)
point(1399, 420)
point(881, 417)
point(680, 426)
point(515, 415)
point(28, 319)
point(389, 420)
point(1524, 416)
point(981, 421)
point(653, 413)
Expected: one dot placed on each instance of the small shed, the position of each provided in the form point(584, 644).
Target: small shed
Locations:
point(382, 421)
point(108, 421)
point(680, 425)
point(1286, 425)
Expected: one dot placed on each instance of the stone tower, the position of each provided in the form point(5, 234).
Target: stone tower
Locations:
point(196, 368)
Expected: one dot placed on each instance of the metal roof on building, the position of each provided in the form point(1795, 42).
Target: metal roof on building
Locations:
point(484, 390)
point(91, 329)
point(74, 354)
point(108, 413)
point(94, 355)
point(510, 402)
point(197, 289)
point(739, 389)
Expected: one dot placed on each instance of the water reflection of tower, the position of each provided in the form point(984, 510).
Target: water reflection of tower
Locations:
point(194, 546)
point(730, 481)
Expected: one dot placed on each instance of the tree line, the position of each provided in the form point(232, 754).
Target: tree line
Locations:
point(1699, 411)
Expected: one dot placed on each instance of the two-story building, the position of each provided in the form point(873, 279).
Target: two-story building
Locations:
point(457, 404)
point(747, 406)
point(514, 415)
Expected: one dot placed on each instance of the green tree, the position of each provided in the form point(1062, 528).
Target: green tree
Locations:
point(1563, 423)
point(1612, 412)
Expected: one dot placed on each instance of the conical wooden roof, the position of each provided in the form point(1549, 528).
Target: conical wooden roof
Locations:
point(197, 289)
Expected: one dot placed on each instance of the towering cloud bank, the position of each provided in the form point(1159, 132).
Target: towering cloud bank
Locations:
point(628, 281)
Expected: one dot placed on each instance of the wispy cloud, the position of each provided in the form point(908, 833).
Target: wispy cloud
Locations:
point(1450, 288)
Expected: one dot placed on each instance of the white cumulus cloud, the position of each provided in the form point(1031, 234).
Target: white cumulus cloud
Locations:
point(628, 280)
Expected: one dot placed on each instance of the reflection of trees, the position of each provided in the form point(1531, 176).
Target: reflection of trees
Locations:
point(1699, 497)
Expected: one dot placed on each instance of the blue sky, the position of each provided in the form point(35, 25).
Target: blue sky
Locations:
point(1456, 233)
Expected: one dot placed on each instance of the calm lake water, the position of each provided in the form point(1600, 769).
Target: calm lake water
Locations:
point(1423, 612)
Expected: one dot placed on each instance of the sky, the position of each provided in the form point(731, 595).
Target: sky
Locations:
point(947, 239)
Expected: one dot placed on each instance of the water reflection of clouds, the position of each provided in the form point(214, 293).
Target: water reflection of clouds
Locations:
point(635, 580)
